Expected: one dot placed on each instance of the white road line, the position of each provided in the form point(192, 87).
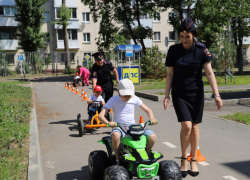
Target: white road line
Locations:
point(59, 84)
point(204, 163)
point(169, 145)
point(229, 177)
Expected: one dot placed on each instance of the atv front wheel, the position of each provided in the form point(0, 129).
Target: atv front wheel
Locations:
point(116, 173)
point(169, 169)
point(98, 162)
point(80, 125)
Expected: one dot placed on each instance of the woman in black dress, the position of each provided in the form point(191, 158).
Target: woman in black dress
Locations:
point(185, 62)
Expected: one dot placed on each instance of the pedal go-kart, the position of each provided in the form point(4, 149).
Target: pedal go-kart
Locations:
point(95, 122)
point(134, 159)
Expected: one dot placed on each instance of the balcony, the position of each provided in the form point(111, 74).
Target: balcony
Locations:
point(69, 3)
point(73, 44)
point(9, 44)
point(74, 24)
point(8, 3)
point(8, 21)
point(144, 23)
point(147, 42)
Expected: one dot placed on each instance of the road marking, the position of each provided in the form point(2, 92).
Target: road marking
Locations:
point(59, 84)
point(204, 163)
point(229, 177)
point(169, 145)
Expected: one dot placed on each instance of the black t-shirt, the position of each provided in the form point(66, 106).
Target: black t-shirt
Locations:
point(187, 65)
point(102, 74)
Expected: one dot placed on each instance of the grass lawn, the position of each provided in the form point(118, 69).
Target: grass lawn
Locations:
point(239, 117)
point(147, 84)
point(15, 103)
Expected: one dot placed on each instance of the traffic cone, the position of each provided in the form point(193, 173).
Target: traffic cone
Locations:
point(111, 110)
point(141, 121)
point(85, 98)
point(66, 85)
point(199, 157)
point(82, 95)
point(69, 88)
point(77, 92)
point(73, 89)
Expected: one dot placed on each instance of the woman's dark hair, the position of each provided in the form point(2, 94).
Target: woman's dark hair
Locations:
point(194, 33)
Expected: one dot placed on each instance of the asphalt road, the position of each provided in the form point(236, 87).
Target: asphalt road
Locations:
point(64, 154)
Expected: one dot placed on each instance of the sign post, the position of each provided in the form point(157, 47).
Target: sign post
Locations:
point(129, 53)
point(20, 58)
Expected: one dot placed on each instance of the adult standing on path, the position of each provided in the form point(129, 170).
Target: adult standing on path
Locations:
point(84, 73)
point(101, 75)
point(185, 62)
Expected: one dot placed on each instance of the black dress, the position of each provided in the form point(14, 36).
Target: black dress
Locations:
point(187, 85)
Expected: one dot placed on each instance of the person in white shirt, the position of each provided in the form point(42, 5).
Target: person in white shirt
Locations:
point(95, 97)
point(123, 106)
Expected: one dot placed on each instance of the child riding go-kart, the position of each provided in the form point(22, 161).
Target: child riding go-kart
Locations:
point(134, 159)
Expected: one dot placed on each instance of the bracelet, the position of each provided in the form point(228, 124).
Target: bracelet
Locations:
point(217, 96)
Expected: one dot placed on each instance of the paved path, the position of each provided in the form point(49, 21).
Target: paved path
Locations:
point(64, 154)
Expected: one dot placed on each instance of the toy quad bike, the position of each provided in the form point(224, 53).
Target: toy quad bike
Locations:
point(78, 82)
point(134, 159)
point(95, 122)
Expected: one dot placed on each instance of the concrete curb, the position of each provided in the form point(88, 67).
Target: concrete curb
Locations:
point(35, 163)
point(208, 103)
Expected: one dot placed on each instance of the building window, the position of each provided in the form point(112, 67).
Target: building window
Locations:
point(73, 13)
point(7, 33)
point(85, 17)
point(7, 11)
point(157, 17)
point(86, 37)
point(72, 57)
point(72, 34)
point(144, 15)
point(157, 36)
point(46, 16)
point(9, 58)
point(170, 16)
point(184, 13)
point(171, 35)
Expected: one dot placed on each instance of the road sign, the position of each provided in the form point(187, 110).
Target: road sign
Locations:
point(166, 41)
point(129, 50)
point(85, 63)
point(20, 58)
point(87, 57)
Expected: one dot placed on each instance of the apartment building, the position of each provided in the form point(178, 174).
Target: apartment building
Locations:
point(82, 33)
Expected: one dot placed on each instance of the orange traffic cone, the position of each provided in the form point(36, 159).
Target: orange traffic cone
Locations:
point(77, 92)
point(199, 157)
point(69, 88)
point(73, 89)
point(66, 85)
point(85, 98)
point(111, 110)
point(141, 121)
point(82, 95)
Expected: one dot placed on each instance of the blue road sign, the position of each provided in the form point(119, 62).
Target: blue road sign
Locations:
point(20, 57)
point(129, 50)
point(85, 63)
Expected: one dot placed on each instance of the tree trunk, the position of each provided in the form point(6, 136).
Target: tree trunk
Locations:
point(239, 48)
point(66, 43)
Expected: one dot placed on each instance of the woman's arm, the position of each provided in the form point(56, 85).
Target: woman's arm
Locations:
point(169, 79)
point(212, 81)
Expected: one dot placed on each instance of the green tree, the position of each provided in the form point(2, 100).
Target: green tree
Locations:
point(30, 17)
point(126, 11)
point(152, 63)
point(64, 14)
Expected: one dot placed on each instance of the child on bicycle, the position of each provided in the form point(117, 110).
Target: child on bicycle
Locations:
point(123, 106)
point(95, 97)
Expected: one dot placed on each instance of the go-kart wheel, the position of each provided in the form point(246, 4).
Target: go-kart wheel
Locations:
point(116, 173)
point(98, 161)
point(80, 125)
point(110, 117)
point(169, 169)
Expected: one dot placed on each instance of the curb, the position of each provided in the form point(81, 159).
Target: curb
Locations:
point(35, 163)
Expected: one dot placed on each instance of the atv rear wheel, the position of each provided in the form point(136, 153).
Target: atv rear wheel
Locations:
point(169, 169)
point(116, 173)
point(98, 161)
point(80, 125)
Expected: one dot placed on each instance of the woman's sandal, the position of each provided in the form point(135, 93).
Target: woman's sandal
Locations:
point(193, 173)
point(183, 173)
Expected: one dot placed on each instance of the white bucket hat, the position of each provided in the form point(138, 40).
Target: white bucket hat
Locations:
point(126, 87)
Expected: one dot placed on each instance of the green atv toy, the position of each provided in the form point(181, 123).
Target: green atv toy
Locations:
point(134, 161)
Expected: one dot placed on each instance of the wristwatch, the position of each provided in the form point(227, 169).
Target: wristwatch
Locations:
point(217, 96)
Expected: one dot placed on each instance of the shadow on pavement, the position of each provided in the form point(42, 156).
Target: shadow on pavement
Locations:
point(241, 167)
point(78, 174)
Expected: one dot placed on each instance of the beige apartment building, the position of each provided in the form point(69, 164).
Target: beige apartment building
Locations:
point(82, 34)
